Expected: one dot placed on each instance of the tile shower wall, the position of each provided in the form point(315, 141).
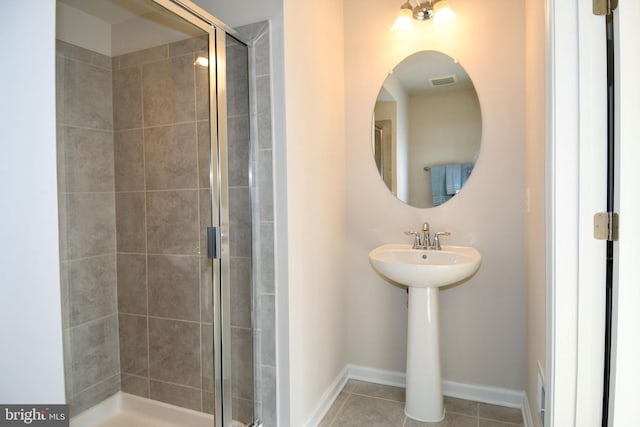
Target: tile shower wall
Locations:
point(162, 204)
point(133, 154)
point(87, 225)
point(132, 159)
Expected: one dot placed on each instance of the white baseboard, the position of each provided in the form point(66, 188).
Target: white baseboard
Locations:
point(327, 399)
point(479, 393)
point(378, 376)
point(482, 393)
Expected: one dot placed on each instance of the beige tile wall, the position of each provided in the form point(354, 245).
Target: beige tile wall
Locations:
point(134, 194)
point(164, 298)
point(87, 225)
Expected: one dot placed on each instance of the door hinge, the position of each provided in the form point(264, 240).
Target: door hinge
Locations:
point(604, 7)
point(605, 226)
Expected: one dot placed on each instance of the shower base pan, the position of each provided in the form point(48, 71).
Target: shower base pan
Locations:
point(127, 410)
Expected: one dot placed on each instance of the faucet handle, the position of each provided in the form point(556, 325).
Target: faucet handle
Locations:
point(436, 239)
point(416, 238)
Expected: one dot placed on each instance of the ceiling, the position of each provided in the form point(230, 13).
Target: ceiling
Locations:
point(110, 11)
point(415, 71)
point(132, 24)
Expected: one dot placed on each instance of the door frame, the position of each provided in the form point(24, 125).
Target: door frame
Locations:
point(575, 160)
point(576, 189)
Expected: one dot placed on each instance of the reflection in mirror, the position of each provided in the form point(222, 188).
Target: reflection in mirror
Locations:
point(426, 130)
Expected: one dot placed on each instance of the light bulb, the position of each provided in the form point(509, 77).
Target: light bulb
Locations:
point(442, 12)
point(403, 21)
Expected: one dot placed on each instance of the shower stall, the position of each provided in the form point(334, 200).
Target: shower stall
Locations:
point(162, 242)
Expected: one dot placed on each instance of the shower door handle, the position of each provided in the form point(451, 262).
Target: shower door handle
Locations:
point(213, 242)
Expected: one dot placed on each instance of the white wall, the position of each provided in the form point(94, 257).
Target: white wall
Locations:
point(483, 329)
point(536, 185)
point(308, 87)
point(314, 65)
point(31, 366)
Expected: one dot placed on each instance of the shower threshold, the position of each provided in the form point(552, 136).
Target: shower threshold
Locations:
point(127, 410)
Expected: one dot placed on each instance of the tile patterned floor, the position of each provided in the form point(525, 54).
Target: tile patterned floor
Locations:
point(374, 405)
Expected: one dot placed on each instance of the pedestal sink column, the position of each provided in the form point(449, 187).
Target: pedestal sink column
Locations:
point(424, 377)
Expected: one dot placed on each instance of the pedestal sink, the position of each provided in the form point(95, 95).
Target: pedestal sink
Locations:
point(424, 271)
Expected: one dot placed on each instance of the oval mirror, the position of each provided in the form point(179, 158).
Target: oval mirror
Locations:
point(427, 129)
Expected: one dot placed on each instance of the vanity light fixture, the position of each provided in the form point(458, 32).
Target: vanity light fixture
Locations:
point(438, 10)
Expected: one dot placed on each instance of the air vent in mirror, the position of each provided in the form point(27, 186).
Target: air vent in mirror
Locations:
point(443, 81)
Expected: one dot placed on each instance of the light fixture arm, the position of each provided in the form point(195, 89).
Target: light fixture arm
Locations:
point(438, 10)
point(423, 11)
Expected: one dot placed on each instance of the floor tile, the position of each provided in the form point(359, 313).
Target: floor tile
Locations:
point(351, 385)
point(378, 390)
point(360, 411)
point(461, 406)
point(492, 423)
point(500, 413)
point(375, 405)
point(333, 411)
point(450, 420)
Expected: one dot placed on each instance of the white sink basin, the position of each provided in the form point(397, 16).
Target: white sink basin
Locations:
point(424, 271)
point(423, 268)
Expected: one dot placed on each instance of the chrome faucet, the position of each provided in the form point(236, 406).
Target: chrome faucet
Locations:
point(426, 239)
point(423, 241)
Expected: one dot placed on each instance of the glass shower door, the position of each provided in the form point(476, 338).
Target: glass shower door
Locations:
point(141, 178)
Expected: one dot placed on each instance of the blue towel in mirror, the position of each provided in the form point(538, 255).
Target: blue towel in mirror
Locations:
point(453, 178)
point(438, 186)
point(467, 168)
point(447, 180)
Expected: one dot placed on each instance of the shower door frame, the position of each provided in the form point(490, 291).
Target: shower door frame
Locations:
point(219, 191)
